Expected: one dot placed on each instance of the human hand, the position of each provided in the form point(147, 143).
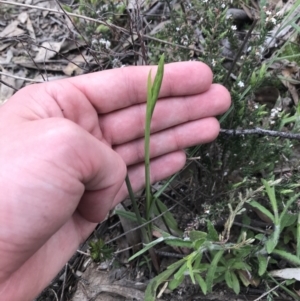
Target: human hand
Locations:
point(64, 150)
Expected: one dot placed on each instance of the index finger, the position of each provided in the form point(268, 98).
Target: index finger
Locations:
point(119, 88)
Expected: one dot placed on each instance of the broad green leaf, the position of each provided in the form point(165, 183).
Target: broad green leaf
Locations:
point(241, 265)
point(150, 293)
point(179, 242)
point(262, 264)
point(212, 270)
point(202, 283)
point(235, 283)
point(262, 209)
point(287, 220)
point(195, 235)
point(212, 233)
point(228, 279)
point(174, 283)
point(199, 243)
point(181, 271)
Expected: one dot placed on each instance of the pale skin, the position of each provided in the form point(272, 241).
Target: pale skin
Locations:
point(65, 149)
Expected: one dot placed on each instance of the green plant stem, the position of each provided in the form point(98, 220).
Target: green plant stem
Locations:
point(136, 210)
point(147, 167)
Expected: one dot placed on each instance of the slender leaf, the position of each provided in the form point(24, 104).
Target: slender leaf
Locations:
point(262, 209)
point(298, 236)
point(272, 197)
point(212, 270)
point(150, 293)
point(147, 247)
point(288, 204)
point(273, 239)
point(288, 256)
point(228, 279)
point(202, 283)
point(179, 242)
point(168, 217)
point(157, 82)
point(174, 283)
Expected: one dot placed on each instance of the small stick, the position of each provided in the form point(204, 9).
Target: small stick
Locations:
point(259, 131)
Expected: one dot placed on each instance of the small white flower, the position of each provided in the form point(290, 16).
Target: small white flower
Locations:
point(233, 27)
point(241, 84)
point(272, 122)
point(255, 106)
point(177, 28)
point(205, 1)
point(249, 49)
point(223, 5)
point(213, 62)
point(268, 13)
point(225, 173)
point(274, 21)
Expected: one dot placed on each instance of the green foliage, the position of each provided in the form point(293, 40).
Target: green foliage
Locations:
point(100, 251)
point(227, 259)
point(231, 164)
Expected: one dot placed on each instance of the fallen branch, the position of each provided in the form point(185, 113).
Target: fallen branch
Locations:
point(259, 131)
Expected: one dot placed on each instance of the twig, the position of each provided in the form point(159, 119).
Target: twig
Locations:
point(22, 78)
point(240, 51)
point(259, 131)
point(269, 291)
point(54, 293)
point(8, 85)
